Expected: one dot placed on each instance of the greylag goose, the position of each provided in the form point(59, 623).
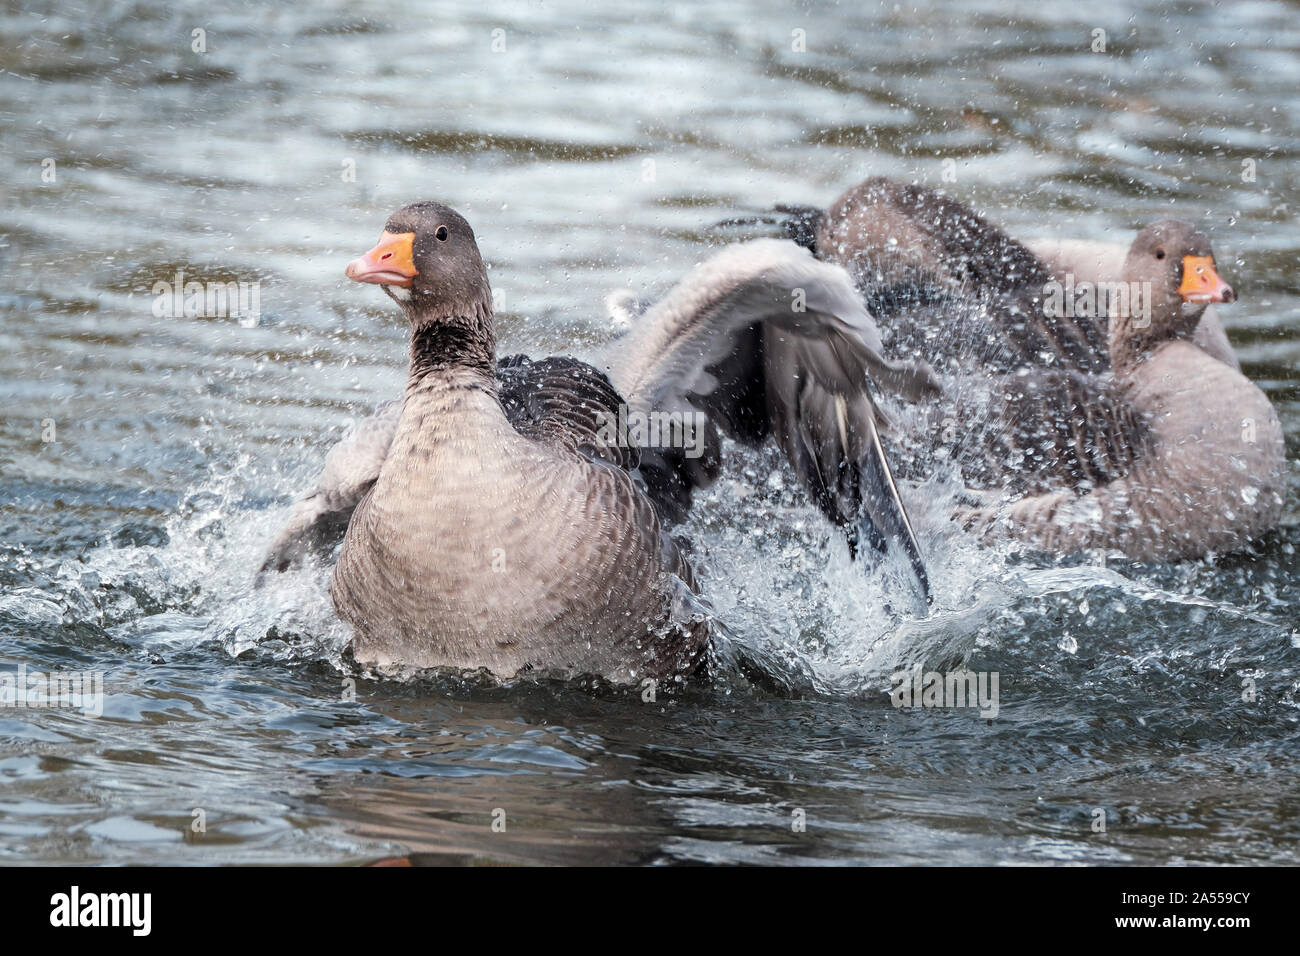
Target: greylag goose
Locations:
point(1126, 425)
point(493, 518)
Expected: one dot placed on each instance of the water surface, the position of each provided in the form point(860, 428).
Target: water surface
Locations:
point(594, 151)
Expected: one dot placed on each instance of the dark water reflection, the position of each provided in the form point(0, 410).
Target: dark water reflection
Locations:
point(592, 153)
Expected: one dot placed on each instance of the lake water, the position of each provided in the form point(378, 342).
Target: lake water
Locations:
point(591, 150)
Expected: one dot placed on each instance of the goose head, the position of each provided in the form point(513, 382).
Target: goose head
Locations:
point(428, 262)
point(1174, 263)
point(1169, 278)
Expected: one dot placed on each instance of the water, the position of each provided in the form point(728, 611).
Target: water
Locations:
point(593, 153)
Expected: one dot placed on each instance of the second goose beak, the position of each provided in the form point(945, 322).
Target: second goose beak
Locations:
point(1201, 283)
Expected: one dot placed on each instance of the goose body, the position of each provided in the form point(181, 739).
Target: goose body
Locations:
point(483, 547)
point(491, 522)
point(1209, 475)
point(1105, 430)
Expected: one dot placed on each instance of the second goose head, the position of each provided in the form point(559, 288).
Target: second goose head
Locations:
point(1173, 265)
point(428, 262)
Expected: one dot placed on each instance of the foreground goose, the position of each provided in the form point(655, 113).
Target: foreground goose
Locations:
point(495, 520)
point(1117, 421)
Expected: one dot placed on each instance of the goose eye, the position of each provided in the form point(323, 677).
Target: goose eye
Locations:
point(440, 234)
point(1160, 253)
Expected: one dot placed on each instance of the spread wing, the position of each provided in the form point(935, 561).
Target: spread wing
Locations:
point(763, 339)
point(905, 245)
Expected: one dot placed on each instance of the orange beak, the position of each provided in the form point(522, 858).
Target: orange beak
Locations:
point(1201, 283)
point(389, 263)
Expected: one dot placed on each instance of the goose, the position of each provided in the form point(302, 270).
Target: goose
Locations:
point(1126, 427)
point(492, 518)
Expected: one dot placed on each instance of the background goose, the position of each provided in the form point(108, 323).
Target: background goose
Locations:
point(490, 520)
point(1128, 428)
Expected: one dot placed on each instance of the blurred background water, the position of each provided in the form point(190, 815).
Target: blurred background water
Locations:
point(593, 149)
